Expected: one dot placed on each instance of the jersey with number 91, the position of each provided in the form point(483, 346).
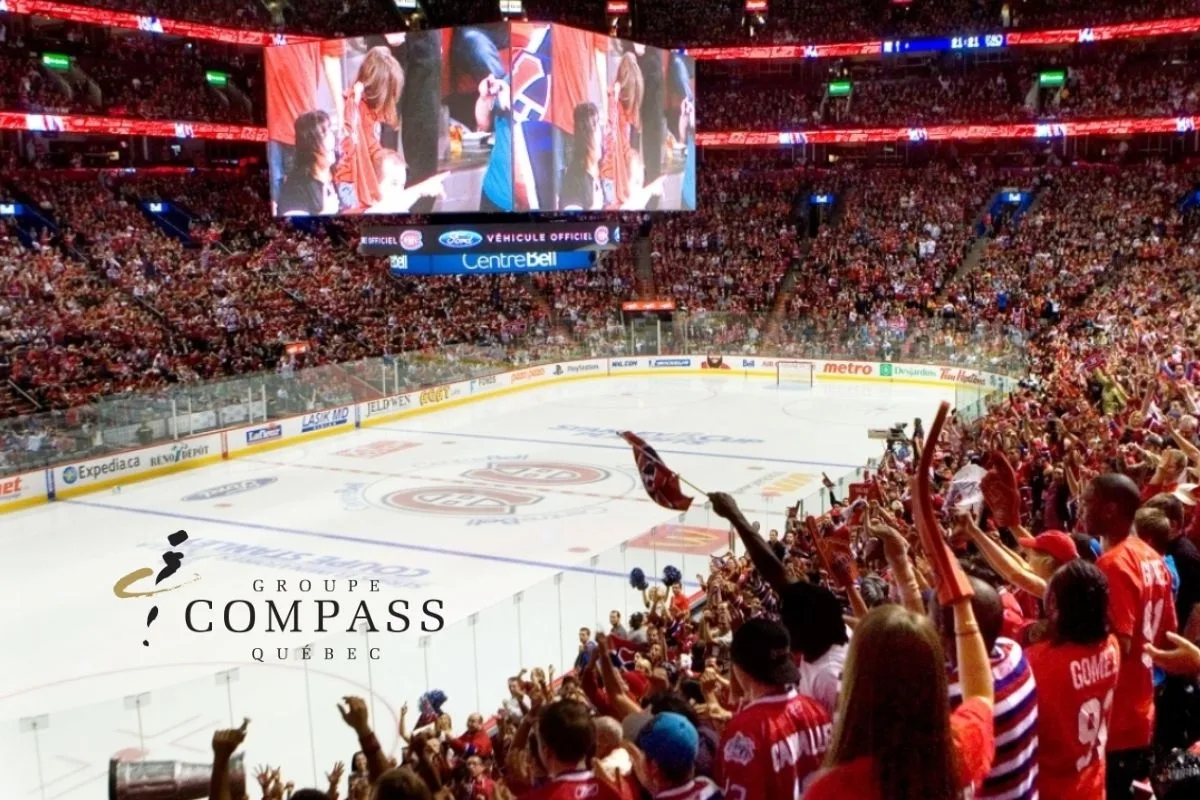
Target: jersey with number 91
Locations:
point(1076, 684)
point(1142, 610)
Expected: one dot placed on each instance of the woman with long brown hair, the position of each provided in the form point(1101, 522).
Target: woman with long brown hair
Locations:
point(895, 737)
point(624, 125)
point(371, 101)
point(307, 189)
point(581, 189)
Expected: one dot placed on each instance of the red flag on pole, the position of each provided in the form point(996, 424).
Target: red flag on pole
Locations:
point(661, 483)
point(624, 650)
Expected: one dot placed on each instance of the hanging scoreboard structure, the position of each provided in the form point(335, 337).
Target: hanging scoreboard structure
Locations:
point(515, 116)
point(490, 249)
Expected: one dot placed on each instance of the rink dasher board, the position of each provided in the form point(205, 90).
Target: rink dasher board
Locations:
point(76, 478)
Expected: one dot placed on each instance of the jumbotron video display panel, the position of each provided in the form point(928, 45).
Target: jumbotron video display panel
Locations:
point(505, 117)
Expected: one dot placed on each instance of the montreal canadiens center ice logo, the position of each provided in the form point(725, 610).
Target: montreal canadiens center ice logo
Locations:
point(602, 236)
point(509, 490)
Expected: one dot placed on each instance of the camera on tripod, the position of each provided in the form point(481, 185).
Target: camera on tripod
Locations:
point(896, 435)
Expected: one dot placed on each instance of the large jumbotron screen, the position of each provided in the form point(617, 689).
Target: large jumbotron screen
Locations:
point(523, 116)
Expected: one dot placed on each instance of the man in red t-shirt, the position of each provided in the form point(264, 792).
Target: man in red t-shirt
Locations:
point(566, 738)
point(774, 745)
point(1141, 611)
point(475, 741)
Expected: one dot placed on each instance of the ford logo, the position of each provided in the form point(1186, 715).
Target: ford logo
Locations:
point(460, 240)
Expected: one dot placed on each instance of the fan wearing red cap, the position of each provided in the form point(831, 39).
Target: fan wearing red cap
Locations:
point(1048, 551)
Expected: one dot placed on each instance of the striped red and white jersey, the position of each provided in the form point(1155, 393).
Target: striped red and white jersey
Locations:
point(1015, 715)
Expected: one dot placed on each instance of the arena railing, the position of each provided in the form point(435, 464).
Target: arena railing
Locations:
point(292, 699)
point(138, 419)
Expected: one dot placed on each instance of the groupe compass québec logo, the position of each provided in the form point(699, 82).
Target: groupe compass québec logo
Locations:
point(501, 490)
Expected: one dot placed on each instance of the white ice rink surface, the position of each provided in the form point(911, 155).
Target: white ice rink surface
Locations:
point(479, 506)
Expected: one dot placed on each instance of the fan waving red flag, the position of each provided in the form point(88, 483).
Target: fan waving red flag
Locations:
point(623, 651)
point(661, 483)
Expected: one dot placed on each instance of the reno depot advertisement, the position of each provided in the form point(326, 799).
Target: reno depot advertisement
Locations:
point(109, 469)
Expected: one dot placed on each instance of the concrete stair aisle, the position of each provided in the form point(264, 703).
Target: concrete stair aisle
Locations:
point(541, 301)
point(783, 297)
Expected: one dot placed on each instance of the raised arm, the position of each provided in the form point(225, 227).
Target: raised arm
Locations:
point(974, 667)
point(763, 558)
point(1006, 563)
point(614, 687)
point(403, 728)
point(895, 550)
point(224, 743)
point(355, 714)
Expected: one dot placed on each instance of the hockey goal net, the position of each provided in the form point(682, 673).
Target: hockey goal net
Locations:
point(794, 373)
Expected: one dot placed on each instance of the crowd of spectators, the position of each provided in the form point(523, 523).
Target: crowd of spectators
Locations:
point(128, 74)
point(142, 78)
point(878, 279)
point(24, 86)
point(226, 296)
point(1004, 606)
point(715, 22)
point(132, 74)
point(325, 18)
point(731, 254)
point(874, 280)
point(676, 22)
point(1114, 82)
point(1061, 249)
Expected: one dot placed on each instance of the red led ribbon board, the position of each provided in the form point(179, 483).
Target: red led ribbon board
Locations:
point(1106, 33)
point(120, 126)
point(1101, 33)
point(118, 19)
point(1051, 130)
point(196, 30)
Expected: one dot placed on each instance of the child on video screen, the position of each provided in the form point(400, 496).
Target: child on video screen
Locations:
point(391, 173)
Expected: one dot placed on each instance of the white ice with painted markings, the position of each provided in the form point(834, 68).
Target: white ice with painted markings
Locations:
point(511, 512)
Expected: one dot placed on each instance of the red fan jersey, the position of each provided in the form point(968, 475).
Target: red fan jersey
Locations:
point(772, 747)
point(1141, 609)
point(577, 785)
point(1076, 685)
